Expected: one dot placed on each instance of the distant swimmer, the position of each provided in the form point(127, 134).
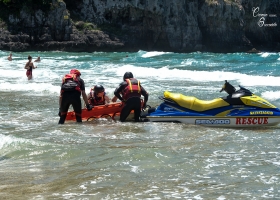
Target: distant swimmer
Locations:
point(10, 57)
point(38, 59)
point(29, 66)
point(253, 51)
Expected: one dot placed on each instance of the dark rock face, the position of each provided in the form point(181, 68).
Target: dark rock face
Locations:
point(154, 25)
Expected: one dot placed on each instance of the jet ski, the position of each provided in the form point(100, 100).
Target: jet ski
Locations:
point(241, 108)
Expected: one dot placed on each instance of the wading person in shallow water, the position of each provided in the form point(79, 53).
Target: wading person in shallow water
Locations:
point(10, 57)
point(129, 92)
point(38, 59)
point(70, 94)
point(29, 66)
point(98, 96)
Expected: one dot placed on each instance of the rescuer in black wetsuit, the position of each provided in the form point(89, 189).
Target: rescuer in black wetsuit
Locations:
point(129, 92)
point(71, 89)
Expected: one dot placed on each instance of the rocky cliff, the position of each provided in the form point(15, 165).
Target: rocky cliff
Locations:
point(151, 25)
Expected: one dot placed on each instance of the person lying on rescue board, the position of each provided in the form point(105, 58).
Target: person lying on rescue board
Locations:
point(98, 96)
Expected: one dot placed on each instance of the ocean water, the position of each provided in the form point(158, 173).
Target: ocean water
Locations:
point(106, 159)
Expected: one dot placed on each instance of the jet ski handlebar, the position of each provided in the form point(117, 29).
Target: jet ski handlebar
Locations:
point(230, 89)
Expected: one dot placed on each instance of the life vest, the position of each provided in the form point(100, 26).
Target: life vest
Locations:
point(95, 100)
point(133, 89)
point(70, 82)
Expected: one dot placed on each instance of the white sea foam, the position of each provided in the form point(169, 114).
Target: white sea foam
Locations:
point(153, 53)
point(198, 76)
point(266, 54)
point(271, 95)
point(7, 142)
point(38, 88)
point(47, 77)
point(49, 80)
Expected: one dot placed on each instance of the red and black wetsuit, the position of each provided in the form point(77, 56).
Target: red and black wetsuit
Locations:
point(131, 91)
point(94, 100)
point(71, 97)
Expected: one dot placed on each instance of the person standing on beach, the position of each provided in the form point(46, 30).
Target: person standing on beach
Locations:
point(70, 94)
point(10, 57)
point(29, 66)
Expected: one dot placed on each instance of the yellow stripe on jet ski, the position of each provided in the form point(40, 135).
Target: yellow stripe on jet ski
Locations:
point(257, 101)
point(194, 103)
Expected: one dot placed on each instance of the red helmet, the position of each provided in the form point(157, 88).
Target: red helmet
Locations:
point(75, 71)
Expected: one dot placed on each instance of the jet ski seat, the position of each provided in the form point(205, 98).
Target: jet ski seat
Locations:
point(194, 103)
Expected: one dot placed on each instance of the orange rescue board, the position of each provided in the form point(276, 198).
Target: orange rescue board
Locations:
point(97, 112)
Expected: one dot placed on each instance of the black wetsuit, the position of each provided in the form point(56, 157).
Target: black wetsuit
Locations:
point(71, 98)
point(133, 102)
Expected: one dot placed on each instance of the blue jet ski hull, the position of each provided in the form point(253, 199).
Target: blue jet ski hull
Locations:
point(236, 117)
point(240, 108)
